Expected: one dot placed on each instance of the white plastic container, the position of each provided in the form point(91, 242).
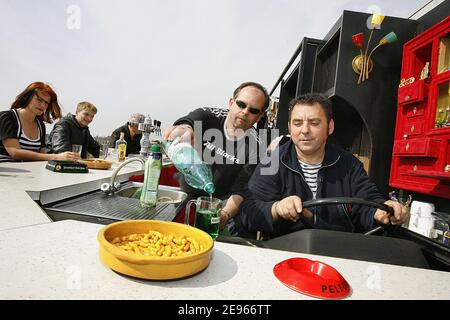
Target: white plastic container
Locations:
point(421, 220)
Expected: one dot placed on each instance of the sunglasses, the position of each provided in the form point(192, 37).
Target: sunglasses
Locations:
point(41, 100)
point(242, 105)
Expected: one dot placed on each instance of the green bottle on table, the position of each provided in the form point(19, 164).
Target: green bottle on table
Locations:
point(153, 167)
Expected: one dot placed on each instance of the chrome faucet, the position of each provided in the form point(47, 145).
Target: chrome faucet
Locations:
point(110, 188)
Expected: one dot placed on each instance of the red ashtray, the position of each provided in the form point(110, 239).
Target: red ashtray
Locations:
point(313, 278)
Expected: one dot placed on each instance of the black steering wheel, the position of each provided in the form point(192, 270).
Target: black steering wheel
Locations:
point(349, 245)
point(348, 200)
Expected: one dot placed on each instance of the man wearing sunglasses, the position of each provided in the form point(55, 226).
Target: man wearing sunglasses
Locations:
point(228, 142)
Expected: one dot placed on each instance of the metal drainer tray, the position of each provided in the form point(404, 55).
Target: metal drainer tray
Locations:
point(115, 207)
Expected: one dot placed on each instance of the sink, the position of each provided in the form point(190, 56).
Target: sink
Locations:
point(166, 194)
point(101, 208)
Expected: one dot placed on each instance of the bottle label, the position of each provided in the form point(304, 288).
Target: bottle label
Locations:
point(150, 190)
point(157, 155)
point(121, 151)
point(215, 220)
point(153, 179)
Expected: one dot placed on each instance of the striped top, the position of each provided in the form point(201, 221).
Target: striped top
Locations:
point(310, 172)
point(11, 127)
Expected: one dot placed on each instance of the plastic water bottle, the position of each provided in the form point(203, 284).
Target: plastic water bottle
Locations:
point(186, 159)
point(153, 166)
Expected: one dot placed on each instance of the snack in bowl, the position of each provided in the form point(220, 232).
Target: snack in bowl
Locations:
point(154, 243)
point(97, 163)
point(132, 259)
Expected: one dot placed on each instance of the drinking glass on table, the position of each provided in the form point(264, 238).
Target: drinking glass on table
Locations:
point(76, 148)
point(207, 215)
point(104, 151)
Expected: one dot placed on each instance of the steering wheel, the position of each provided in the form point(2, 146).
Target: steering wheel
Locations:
point(348, 200)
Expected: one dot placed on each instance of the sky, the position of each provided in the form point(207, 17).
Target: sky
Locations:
point(163, 58)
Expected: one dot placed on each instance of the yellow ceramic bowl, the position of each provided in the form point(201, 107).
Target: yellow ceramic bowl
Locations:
point(150, 267)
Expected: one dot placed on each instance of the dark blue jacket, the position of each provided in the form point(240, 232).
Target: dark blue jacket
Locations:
point(341, 175)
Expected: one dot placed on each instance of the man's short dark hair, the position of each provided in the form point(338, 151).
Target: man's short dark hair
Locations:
point(256, 85)
point(310, 99)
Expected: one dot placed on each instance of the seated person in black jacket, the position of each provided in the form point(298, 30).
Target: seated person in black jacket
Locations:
point(73, 129)
point(132, 134)
point(308, 167)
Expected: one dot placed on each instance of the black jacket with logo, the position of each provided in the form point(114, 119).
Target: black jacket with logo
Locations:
point(68, 131)
point(232, 161)
point(341, 175)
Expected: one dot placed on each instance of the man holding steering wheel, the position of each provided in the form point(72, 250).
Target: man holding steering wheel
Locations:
point(309, 167)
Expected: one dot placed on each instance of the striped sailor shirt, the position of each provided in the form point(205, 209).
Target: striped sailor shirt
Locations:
point(310, 172)
point(11, 127)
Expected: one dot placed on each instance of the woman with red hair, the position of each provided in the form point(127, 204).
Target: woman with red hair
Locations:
point(22, 129)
